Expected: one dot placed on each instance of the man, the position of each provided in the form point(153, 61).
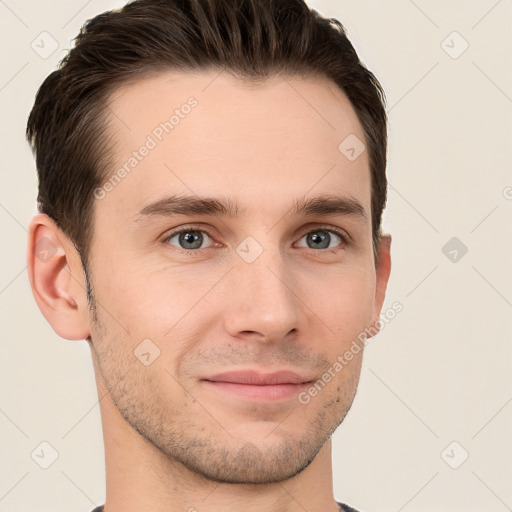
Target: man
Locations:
point(211, 186)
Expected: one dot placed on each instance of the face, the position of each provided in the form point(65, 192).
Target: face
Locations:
point(217, 312)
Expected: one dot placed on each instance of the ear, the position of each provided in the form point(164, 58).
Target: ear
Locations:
point(383, 270)
point(57, 279)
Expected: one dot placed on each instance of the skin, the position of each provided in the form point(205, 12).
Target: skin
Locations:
point(173, 442)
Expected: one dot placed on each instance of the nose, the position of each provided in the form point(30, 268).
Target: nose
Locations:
point(264, 305)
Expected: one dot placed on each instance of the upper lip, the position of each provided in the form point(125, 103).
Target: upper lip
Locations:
point(258, 378)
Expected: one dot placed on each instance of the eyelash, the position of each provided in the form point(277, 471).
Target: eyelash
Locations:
point(331, 229)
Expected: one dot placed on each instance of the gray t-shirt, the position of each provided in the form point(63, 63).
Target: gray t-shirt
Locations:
point(343, 507)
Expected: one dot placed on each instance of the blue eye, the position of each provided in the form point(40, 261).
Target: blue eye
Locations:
point(189, 239)
point(322, 238)
point(192, 239)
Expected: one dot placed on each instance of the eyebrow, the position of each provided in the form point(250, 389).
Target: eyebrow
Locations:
point(325, 204)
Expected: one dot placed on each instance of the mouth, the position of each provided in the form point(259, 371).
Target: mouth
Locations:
point(257, 386)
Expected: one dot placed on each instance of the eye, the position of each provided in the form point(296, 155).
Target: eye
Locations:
point(322, 239)
point(194, 239)
point(188, 239)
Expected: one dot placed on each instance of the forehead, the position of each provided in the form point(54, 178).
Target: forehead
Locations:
point(208, 133)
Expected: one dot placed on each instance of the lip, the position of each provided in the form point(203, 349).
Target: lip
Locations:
point(255, 385)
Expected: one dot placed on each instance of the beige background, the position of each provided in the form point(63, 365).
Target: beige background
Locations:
point(440, 370)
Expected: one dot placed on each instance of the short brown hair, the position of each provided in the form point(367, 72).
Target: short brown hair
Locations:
point(252, 39)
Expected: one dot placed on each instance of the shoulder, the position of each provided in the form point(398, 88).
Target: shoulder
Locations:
point(345, 508)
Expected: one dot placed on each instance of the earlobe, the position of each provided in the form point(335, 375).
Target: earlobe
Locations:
point(56, 278)
point(383, 271)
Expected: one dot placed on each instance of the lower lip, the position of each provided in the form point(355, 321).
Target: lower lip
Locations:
point(268, 392)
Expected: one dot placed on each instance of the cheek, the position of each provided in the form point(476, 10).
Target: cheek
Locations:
point(346, 303)
point(146, 303)
point(165, 306)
